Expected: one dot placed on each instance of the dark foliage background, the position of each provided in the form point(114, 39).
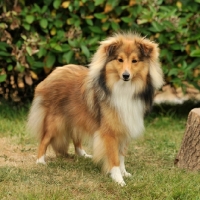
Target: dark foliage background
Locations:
point(36, 36)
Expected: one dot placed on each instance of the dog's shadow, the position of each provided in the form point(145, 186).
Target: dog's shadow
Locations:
point(73, 162)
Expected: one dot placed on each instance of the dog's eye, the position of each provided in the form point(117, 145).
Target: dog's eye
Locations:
point(120, 60)
point(134, 61)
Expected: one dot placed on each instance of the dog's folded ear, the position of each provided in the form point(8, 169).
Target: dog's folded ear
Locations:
point(111, 48)
point(104, 54)
point(148, 49)
point(145, 49)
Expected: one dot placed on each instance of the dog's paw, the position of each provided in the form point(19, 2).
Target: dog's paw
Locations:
point(41, 160)
point(81, 152)
point(122, 183)
point(87, 155)
point(116, 175)
point(126, 174)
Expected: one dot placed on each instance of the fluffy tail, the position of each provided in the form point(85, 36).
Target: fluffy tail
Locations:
point(35, 123)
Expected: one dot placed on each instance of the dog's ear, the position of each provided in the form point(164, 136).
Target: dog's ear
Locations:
point(110, 49)
point(145, 49)
point(150, 51)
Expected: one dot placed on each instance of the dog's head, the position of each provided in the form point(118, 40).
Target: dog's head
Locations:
point(128, 57)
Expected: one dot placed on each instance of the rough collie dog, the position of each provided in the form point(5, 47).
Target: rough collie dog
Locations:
point(106, 101)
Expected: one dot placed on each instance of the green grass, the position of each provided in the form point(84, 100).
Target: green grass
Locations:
point(150, 160)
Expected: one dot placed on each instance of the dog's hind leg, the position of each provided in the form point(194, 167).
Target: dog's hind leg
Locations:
point(48, 129)
point(42, 149)
point(79, 149)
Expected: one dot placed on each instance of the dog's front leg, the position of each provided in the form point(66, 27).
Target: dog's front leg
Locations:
point(112, 152)
point(122, 167)
point(106, 149)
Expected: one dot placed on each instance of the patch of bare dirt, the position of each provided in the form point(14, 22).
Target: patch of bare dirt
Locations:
point(12, 154)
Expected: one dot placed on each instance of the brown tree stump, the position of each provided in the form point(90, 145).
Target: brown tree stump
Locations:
point(189, 153)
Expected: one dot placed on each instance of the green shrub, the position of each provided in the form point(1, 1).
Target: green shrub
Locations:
point(35, 37)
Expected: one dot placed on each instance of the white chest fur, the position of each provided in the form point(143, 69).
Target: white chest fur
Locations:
point(131, 111)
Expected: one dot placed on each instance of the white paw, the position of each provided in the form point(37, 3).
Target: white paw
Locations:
point(87, 156)
point(126, 174)
point(82, 152)
point(117, 176)
point(41, 160)
point(121, 183)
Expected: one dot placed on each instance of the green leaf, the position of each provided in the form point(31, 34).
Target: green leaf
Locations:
point(23, 37)
point(56, 46)
point(43, 23)
point(42, 52)
point(9, 60)
point(29, 19)
point(61, 34)
point(36, 9)
point(194, 37)
point(77, 23)
point(50, 60)
point(30, 60)
point(37, 64)
point(3, 46)
point(3, 25)
point(29, 50)
point(26, 26)
point(127, 19)
point(157, 27)
point(67, 57)
point(93, 40)
point(73, 43)
point(105, 26)
point(115, 26)
point(65, 47)
point(10, 67)
point(70, 21)
point(85, 51)
point(4, 54)
point(176, 46)
point(59, 23)
point(95, 29)
point(195, 53)
point(47, 2)
point(44, 9)
point(98, 2)
point(173, 71)
point(43, 43)
point(3, 77)
point(19, 67)
point(89, 22)
point(194, 64)
point(100, 15)
point(56, 4)
point(142, 21)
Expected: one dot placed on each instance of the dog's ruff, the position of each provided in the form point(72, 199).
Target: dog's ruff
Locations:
point(130, 110)
point(106, 102)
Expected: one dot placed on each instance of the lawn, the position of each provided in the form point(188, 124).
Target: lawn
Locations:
point(150, 161)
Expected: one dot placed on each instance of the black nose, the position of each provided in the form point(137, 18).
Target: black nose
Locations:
point(126, 76)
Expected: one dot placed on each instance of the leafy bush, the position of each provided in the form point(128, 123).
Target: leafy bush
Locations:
point(35, 37)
